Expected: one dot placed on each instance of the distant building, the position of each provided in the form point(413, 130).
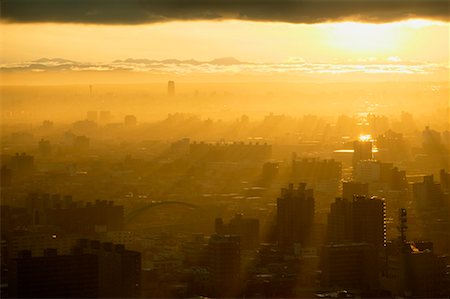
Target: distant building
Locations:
point(92, 270)
point(224, 262)
point(22, 164)
point(349, 266)
point(92, 116)
point(427, 195)
point(295, 216)
point(360, 220)
point(322, 175)
point(130, 120)
point(412, 269)
point(74, 216)
point(104, 117)
point(171, 88)
point(350, 189)
point(362, 150)
point(54, 276)
point(45, 147)
point(246, 228)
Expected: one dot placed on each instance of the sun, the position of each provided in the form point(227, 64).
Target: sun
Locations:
point(361, 37)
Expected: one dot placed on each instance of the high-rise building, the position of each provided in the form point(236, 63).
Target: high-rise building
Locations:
point(54, 276)
point(412, 269)
point(171, 88)
point(224, 262)
point(349, 266)
point(104, 117)
point(295, 216)
point(362, 150)
point(350, 189)
point(130, 120)
point(246, 228)
point(427, 195)
point(360, 220)
point(91, 270)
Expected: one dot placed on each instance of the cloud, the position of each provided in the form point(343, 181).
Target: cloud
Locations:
point(226, 65)
point(153, 11)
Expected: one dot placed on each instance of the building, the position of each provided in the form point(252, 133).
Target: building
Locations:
point(91, 270)
point(350, 266)
point(54, 276)
point(362, 150)
point(246, 228)
point(412, 269)
point(130, 120)
point(322, 175)
point(350, 189)
point(427, 195)
point(360, 220)
point(224, 262)
point(171, 88)
point(295, 216)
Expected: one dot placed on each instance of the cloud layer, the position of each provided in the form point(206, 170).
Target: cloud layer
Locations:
point(153, 11)
point(391, 65)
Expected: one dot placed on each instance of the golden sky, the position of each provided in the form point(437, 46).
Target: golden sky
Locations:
point(413, 40)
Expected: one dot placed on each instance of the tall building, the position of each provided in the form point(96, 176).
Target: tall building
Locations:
point(349, 266)
point(224, 262)
point(412, 269)
point(246, 228)
point(130, 120)
point(322, 175)
point(295, 216)
point(91, 270)
point(350, 189)
point(171, 88)
point(427, 195)
point(362, 150)
point(360, 220)
point(54, 276)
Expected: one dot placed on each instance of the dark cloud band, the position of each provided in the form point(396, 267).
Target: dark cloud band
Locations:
point(152, 11)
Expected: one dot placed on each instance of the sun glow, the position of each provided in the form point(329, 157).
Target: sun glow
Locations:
point(365, 137)
point(359, 37)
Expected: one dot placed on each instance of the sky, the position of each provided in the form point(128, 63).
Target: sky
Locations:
point(315, 36)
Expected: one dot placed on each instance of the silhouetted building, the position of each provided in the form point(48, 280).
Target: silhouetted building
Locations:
point(22, 164)
point(81, 143)
point(412, 269)
point(322, 175)
point(54, 276)
point(349, 266)
point(427, 194)
point(350, 189)
point(171, 88)
point(224, 263)
point(360, 220)
point(295, 216)
point(362, 150)
point(5, 176)
point(104, 117)
point(130, 120)
point(246, 228)
point(444, 180)
point(92, 270)
point(45, 147)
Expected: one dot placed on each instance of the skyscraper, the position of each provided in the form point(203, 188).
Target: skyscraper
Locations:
point(224, 263)
point(362, 150)
point(361, 219)
point(295, 215)
point(171, 88)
